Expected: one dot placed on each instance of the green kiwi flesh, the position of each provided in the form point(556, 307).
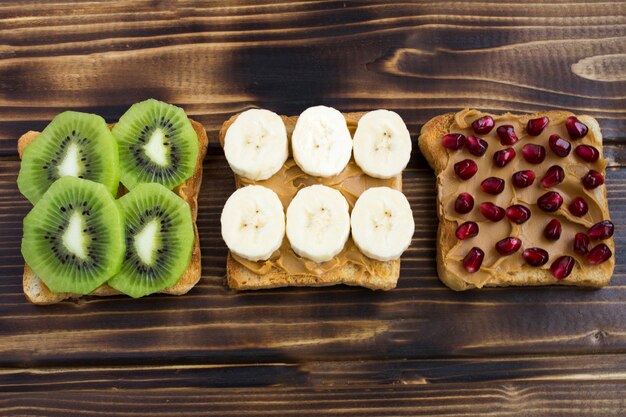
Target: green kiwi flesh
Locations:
point(159, 240)
point(73, 144)
point(157, 143)
point(74, 236)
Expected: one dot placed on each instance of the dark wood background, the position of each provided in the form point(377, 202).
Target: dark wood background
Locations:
point(419, 349)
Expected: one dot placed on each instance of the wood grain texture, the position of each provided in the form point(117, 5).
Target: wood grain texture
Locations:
point(418, 350)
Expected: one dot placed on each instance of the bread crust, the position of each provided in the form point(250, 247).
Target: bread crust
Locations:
point(36, 290)
point(429, 143)
point(383, 277)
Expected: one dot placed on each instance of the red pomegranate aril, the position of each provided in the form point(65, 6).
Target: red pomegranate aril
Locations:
point(523, 179)
point(552, 230)
point(592, 180)
point(562, 267)
point(587, 153)
point(503, 157)
point(492, 185)
point(575, 128)
point(534, 127)
point(453, 141)
point(476, 146)
point(492, 212)
point(473, 260)
point(578, 207)
point(518, 214)
point(507, 135)
point(599, 254)
point(483, 125)
point(581, 243)
point(464, 203)
point(559, 146)
point(550, 201)
point(467, 230)
point(534, 154)
point(554, 175)
point(465, 169)
point(601, 230)
point(535, 256)
point(508, 246)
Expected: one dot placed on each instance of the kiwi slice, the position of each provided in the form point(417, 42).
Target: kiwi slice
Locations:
point(157, 143)
point(74, 236)
point(73, 144)
point(159, 240)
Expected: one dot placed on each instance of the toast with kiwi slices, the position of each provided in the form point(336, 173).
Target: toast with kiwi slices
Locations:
point(87, 154)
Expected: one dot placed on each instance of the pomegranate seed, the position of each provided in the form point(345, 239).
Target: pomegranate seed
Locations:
point(465, 169)
point(507, 135)
point(587, 153)
point(578, 207)
point(554, 175)
point(508, 246)
point(592, 180)
point(466, 230)
point(559, 146)
point(535, 256)
point(575, 128)
point(517, 213)
point(453, 141)
point(552, 230)
point(562, 267)
point(473, 259)
point(601, 230)
point(522, 179)
point(581, 243)
point(536, 126)
point(464, 203)
point(483, 125)
point(476, 146)
point(503, 157)
point(599, 254)
point(534, 154)
point(491, 211)
point(492, 185)
point(550, 201)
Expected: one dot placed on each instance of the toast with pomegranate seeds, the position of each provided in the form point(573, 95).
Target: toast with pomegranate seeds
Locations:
point(521, 199)
point(36, 290)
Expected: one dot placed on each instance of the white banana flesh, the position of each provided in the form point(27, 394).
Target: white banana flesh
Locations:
point(321, 142)
point(382, 144)
point(253, 222)
point(382, 223)
point(256, 145)
point(318, 223)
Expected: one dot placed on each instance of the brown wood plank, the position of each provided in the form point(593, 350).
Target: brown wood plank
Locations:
point(511, 399)
point(338, 374)
point(420, 59)
point(420, 319)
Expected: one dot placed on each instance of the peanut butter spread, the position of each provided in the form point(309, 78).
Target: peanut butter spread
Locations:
point(530, 232)
point(351, 182)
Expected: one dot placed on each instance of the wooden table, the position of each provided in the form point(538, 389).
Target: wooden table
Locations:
point(419, 349)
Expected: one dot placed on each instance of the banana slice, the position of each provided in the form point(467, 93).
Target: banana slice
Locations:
point(321, 142)
point(253, 222)
point(256, 144)
point(318, 223)
point(382, 144)
point(382, 223)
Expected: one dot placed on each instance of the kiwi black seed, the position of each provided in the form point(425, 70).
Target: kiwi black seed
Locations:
point(73, 237)
point(73, 144)
point(157, 143)
point(159, 240)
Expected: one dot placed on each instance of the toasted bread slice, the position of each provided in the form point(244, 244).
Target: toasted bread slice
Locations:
point(36, 290)
point(438, 158)
point(379, 275)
